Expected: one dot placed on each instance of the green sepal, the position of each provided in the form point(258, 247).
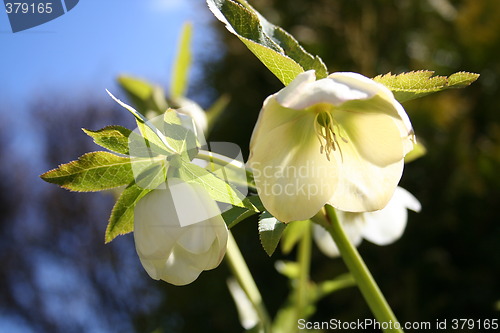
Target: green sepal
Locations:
point(95, 171)
point(411, 85)
point(114, 138)
point(270, 231)
point(279, 51)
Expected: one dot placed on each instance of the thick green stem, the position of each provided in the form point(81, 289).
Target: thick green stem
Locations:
point(242, 274)
point(371, 292)
point(304, 259)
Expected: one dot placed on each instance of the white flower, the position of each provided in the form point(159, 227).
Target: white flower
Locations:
point(179, 232)
point(380, 227)
point(339, 140)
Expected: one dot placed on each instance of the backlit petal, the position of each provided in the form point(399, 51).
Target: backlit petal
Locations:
point(293, 179)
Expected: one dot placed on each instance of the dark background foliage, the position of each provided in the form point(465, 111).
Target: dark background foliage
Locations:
point(58, 276)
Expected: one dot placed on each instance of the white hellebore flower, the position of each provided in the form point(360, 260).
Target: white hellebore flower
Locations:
point(380, 227)
point(339, 140)
point(179, 232)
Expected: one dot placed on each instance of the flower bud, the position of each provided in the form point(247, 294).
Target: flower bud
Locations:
point(178, 232)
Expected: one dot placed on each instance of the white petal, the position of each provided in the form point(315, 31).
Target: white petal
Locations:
point(370, 165)
point(287, 96)
point(156, 227)
point(304, 92)
point(191, 202)
point(387, 225)
point(182, 267)
point(170, 251)
point(293, 179)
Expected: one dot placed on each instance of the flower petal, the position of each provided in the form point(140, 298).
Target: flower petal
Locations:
point(369, 168)
point(173, 251)
point(387, 225)
point(293, 180)
point(156, 227)
point(305, 92)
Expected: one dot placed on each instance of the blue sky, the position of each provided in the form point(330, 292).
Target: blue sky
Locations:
point(85, 49)
point(79, 54)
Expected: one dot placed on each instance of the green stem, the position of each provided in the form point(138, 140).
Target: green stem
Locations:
point(304, 259)
point(371, 292)
point(242, 274)
point(227, 163)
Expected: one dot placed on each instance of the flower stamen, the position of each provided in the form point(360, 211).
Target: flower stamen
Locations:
point(324, 126)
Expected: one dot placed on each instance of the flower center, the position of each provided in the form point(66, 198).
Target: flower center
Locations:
point(325, 126)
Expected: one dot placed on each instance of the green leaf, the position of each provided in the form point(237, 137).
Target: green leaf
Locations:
point(144, 95)
point(270, 231)
point(276, 49)
point(411, 85)
point(218, 189)
point(148, 130)
point(235, 215)
point(92, 172)
point(121, 220)
point(293, 235)
point(182, 139)
point(114, 138)
point(182, 63)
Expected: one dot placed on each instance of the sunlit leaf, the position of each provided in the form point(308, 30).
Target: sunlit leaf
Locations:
point(182, 63)
point(411, 85)
point(276, 49)
point(144, 95)
point(121, 220)
point(270, 231)
point(114, 138)
point(95, 171)
point(218, 189)
point(182, 139)
point(148, 130)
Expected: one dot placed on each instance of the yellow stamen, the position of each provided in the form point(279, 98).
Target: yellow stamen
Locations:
point(324, 126)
